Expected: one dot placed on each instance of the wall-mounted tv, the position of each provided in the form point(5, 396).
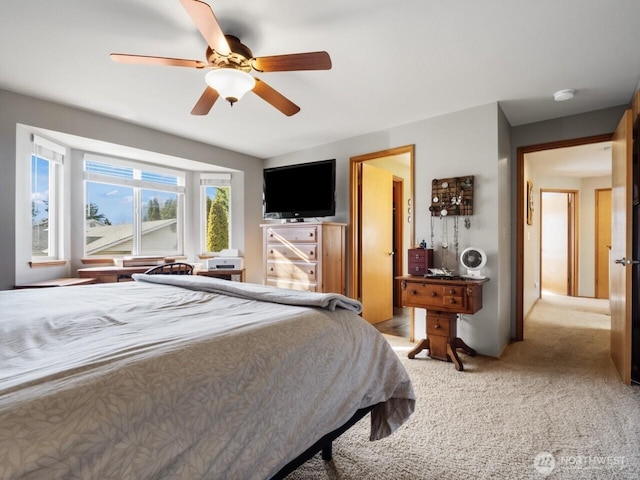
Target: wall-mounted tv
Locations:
point(303, 190)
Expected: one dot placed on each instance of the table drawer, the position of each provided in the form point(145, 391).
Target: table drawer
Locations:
point(422, 295)
point(433, 296)
point(292, 270)
point(438, 324)
point(294, 235)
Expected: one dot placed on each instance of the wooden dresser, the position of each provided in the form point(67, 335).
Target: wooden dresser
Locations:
point(443, 299)
point(305, 256)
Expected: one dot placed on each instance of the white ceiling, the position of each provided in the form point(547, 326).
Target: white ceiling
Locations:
point(583, 161)
point(393, 62)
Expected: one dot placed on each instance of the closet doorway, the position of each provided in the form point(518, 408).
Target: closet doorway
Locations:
point(379, 242)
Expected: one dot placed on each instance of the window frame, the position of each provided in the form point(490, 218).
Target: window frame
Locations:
point(54, 155)
point(138, 184)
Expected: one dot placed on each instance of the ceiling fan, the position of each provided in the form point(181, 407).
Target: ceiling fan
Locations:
point(230, 62)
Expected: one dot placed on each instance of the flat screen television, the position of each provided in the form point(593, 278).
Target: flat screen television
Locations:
point(299, 191)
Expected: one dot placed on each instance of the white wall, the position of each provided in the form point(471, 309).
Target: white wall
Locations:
point(458, 144)
point(20, 109)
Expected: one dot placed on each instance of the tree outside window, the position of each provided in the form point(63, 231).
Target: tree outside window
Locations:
point(217, 221)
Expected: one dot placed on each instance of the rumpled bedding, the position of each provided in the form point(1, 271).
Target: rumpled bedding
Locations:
point(184, 378)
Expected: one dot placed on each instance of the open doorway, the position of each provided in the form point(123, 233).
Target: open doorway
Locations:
point(558, 242)
point(572, 162)
point(381, 187)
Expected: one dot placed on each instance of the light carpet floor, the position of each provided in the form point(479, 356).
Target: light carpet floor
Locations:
point(552, 407)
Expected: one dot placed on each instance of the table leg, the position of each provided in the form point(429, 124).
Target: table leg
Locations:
point(464, 347)
point(422, 345)
point(453, 355)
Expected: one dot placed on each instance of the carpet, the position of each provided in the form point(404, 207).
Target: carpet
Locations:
point(552, 407)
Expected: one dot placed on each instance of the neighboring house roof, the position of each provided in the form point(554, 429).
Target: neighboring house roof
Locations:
point(102, 237)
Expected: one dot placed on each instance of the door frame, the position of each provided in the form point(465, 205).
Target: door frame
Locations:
point(520, 213)
point(354, 208)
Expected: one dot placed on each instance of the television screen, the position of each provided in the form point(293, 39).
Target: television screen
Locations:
point(300, 191)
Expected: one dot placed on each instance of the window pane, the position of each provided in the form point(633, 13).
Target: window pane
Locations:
point(217, 218)
point(109, 219)
point(159, 222)
point(159, 178)
point(40, 232)
point(111, 170)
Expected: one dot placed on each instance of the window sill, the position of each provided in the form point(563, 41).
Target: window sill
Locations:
point(48, 263)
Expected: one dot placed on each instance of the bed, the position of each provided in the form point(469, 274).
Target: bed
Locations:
point(186, 377)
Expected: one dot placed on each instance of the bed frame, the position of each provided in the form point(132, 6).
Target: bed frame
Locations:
point(324, 444)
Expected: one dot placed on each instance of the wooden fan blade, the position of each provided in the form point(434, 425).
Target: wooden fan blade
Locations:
point(294, 61)
point(207, 23)
point(206, 101)
point(145, 60)
point(275, 98)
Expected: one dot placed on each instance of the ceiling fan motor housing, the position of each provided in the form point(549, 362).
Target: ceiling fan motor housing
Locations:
point(239, 58)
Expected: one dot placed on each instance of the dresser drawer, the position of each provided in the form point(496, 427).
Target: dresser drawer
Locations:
point(292, 235)
point(283, 283)
point(301, 253)
point(295, 271)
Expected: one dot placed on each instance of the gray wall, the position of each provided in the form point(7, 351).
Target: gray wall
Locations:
point(458, 144)
point(20, 109)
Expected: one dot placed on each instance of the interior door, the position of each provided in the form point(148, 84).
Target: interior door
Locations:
point(603, 241)
point(621, 246)
point(376, 269)
point(554, 257)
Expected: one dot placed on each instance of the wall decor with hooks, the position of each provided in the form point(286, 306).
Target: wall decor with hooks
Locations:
point(452, 196)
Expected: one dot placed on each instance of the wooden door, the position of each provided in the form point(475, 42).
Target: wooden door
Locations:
point(621, 246)
point(376, 266)
point(603, 241)
point(554, 231)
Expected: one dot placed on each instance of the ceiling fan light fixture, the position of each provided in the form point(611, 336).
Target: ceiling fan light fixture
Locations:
point(562, 95)
point(230, 83)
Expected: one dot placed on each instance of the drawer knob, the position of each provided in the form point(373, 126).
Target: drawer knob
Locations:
point(417, 257)
point(417, 269)
point(434, 294)
point(271, 269)
point(452, 301)
point(310, 234)
point(452, 291)
point(310, 272)
point(414, 292)
point(436, 326)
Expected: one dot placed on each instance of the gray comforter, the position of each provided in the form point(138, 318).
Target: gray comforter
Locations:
point(185, 378)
